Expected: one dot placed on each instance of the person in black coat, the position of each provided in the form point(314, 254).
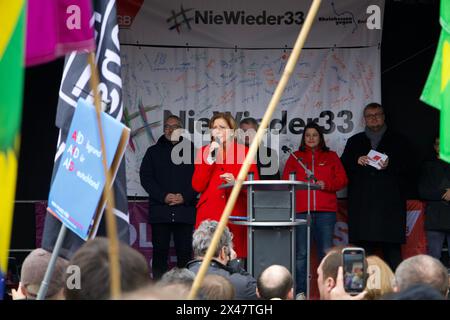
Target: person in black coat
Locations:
point(434, 188)
point(171, 197)
point(376, 203)
point(267, 159)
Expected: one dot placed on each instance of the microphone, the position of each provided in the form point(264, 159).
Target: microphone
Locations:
point(286, 149)
point(215, 145)
point(309, 173)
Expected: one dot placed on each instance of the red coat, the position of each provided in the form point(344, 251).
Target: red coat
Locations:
point(328, 168)
point(206, 179)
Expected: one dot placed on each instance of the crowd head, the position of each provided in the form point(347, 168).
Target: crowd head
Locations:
point(216, 287)
point(33, 272)
point(202, 238)
point(275, 282)
point(422, 269)
point(92, 259)
point(381, 278)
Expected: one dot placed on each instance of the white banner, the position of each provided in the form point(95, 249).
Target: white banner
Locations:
point(249, 23)
point(331, 86)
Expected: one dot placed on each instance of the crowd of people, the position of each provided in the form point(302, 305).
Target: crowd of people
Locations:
point(420, 277)
point(186, 201)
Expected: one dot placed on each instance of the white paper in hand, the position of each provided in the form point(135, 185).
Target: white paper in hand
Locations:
point(375, 158)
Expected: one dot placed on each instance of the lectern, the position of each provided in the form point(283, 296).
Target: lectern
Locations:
point(271, 221)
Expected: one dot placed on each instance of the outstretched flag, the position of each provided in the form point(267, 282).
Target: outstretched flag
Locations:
point(437, 89)
point(75, 85)
point(12, 27)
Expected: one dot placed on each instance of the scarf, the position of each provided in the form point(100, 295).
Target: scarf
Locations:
point(375, 136)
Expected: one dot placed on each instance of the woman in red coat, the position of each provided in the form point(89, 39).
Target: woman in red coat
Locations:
point(216, 164)
point(330, 175)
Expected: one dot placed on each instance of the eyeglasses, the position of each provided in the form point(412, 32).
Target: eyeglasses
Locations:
point(373, 116)
point(174, 127)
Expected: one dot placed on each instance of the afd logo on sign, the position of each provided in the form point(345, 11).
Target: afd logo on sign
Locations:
point(185, 18)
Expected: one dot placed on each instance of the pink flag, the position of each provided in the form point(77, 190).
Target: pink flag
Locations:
point(56, 27)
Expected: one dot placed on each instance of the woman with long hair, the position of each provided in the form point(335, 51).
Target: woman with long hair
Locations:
point(381, 278)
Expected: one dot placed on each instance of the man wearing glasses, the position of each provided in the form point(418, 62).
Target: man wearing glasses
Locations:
point(376, 205)
point(171, 197)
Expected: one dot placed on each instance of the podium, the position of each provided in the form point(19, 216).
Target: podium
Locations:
point(271, 221)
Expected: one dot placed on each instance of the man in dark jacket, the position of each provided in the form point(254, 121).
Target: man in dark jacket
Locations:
point(434, 187)
point(376, 204)
point(223, 262)
point(171, 197)
point(267, 159)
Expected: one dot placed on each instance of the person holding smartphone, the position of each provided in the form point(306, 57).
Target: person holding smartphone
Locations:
point(337, 271)
point(329, 173)
point(219, 163)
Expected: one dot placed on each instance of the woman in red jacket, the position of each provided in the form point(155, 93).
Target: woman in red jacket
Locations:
point(216, 164)
point(330, 175)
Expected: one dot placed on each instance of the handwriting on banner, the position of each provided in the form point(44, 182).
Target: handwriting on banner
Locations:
point(330, 87)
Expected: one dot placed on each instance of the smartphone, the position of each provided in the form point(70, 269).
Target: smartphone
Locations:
point(355, 270)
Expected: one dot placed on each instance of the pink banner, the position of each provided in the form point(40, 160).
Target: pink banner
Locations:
point(57, 27)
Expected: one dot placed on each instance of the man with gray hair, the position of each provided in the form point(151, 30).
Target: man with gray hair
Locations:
point(224, 261)
point(422, 269)
point(275, 282)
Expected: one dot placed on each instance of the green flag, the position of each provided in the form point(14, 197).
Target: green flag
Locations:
point(12, 29)
point(437, 89)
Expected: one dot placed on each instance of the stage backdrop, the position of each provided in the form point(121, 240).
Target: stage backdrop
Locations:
point(193, 58)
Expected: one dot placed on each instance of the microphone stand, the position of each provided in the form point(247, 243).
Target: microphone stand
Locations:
point(309, 174)
point(309, 178)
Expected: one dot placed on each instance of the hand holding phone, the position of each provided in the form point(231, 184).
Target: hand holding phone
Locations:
point(355, 270)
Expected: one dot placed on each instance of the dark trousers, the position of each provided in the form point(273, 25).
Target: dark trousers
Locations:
point(182, 237)
point(435, 241)
point(392, 252)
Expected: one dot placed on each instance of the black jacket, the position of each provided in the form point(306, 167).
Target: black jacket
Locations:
point(376, 201)
point(160, 176)
point(244, 284)
point(433, 182)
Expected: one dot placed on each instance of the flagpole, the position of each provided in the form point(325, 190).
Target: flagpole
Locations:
point(289, 69)
point(111, 225)
point(42, 293)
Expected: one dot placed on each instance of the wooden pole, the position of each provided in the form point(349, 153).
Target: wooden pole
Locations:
point(111, 226)
point(290, 66)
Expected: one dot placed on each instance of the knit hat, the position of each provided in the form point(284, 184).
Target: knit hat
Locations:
point(34, 268)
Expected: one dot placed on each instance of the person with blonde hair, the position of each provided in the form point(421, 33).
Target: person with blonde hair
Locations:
point(219, 163)
point(381, 278)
